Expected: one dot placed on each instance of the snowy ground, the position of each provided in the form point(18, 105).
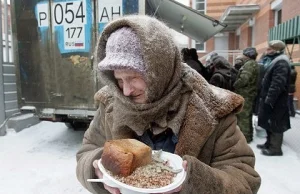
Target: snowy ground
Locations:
point(41, 160)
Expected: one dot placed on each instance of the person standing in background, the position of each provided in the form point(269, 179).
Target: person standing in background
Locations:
point(194, 55)
point(188, 59)
point(221, 73)
point(246, 86)
point(209, 65)
point(292, 90)
point(273, 106)
point(239, 62)
point(259, 131)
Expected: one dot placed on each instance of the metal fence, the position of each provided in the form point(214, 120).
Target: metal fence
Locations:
point(8, 88)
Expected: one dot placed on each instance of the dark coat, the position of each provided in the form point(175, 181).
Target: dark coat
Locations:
point(273, 108)
point(293, 77)
point(195, 65)
point(221, 76)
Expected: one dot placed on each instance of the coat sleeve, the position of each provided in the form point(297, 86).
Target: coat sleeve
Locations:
point(246, 72)
point(280, 77)
point(91, 150)
point(231, 170)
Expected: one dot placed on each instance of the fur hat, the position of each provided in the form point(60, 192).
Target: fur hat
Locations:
point(250, 52)
point(277, 45)
point(123, 51)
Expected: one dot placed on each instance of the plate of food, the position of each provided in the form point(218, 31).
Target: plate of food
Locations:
point(134, 168)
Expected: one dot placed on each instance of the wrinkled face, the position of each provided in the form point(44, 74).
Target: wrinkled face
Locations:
point(132, 85)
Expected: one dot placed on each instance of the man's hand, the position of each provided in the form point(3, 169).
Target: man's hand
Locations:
point(178, 189)
point(100, 176)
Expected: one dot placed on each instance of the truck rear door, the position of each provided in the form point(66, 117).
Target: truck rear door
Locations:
point(55, 40)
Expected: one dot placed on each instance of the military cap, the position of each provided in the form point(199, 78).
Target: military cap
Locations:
point(250, 52)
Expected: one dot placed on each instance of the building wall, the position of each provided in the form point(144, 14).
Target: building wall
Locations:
point(290, 9)
point(215, 9)
point(8, 18)
point(264, 20)
point(8, 91)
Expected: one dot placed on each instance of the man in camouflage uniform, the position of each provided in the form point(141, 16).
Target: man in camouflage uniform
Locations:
point(246, 86)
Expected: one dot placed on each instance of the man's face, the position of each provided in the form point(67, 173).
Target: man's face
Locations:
point(270, 51)
point(132, 85)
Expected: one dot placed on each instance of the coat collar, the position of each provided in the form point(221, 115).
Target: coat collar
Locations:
point(207, 105)
point(197, 127)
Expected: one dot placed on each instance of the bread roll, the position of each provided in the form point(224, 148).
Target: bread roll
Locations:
point(123, 156)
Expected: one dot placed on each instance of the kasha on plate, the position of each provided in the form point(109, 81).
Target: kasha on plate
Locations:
point(134, 168)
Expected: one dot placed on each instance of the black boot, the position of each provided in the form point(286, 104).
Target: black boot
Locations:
point(262, 146)
point(269, 152)
point(267, 144)
point(275, 145)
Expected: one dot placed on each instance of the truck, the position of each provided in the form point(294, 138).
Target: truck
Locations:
point(54, 43)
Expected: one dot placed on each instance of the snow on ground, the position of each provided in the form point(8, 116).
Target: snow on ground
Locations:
point(280, 175)
point(41, 160)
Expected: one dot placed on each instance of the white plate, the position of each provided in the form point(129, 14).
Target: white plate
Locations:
point(175, 161)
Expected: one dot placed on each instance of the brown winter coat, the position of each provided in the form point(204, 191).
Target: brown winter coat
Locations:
point(219, 159)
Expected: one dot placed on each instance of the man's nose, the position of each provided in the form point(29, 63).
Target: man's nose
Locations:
point(127, 89)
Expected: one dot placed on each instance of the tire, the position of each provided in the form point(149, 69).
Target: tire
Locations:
point(77, 125)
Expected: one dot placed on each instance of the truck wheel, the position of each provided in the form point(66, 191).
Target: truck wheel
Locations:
point(77, 125)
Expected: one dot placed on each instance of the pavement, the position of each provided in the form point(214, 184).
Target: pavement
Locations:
point(291, 137)
point(41, 160)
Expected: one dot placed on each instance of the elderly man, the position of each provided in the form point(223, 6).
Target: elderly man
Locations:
point(153, 97)
point(273, 107)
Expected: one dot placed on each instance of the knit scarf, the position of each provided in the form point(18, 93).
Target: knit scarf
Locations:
point(168, 112)
point(267, 59)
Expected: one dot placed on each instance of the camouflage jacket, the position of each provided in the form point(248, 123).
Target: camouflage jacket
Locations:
point(246, 82)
